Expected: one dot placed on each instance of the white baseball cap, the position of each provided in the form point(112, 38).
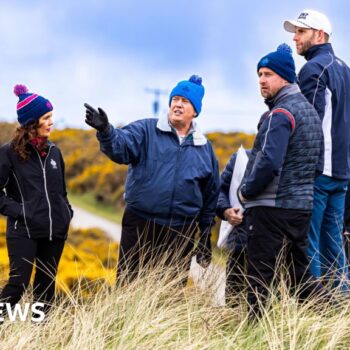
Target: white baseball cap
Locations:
point(309, 19)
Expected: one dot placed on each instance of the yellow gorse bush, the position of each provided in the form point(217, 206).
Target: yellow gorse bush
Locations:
point(88, 170)
point(88, 256)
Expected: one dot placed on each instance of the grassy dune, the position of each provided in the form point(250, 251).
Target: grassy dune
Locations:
point(154, 313)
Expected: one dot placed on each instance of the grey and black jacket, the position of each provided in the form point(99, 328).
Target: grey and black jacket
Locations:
point(33, 194)
point(282, 166)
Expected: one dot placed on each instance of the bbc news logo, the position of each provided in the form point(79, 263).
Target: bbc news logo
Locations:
point(20, 312)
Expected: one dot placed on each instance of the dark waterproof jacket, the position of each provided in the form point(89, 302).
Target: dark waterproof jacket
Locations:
point(168, 182)
point(282, 165)
point(225, 183)
point(238, 237)
point(33, 194)
point(325, 82)
point(347, 211)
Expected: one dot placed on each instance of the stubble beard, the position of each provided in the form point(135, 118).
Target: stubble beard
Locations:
point(306, 46)
point(268, 95)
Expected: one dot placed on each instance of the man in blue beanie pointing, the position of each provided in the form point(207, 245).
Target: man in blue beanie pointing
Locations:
point(172, 183)
point(277, 187)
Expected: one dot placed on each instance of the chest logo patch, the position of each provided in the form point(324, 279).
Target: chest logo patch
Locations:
point(53, 164)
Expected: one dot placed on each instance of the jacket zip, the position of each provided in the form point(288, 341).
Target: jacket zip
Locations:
point(24, 209)
point(175, 176)
point(4, 187)
point(45, 186)
point(70, 215)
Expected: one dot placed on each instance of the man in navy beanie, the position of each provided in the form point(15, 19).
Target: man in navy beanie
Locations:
point(172, 183)
point(277, 187)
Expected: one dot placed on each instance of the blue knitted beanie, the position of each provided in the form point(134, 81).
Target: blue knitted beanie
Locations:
point(192, 89)
point(30, 107)
point(281, 62)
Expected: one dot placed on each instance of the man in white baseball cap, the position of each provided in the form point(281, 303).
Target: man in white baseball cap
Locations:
point(309, 19)
point(325, 82)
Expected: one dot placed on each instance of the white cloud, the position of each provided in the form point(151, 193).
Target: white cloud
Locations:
point(117, 84)
point(44, 47)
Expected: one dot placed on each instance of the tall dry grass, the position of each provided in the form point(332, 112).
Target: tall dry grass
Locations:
point(153, 312)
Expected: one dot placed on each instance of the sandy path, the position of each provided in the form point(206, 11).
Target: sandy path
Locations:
point(85, 219)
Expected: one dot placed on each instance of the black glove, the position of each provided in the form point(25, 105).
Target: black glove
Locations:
point(203, 256)
point(96, 119)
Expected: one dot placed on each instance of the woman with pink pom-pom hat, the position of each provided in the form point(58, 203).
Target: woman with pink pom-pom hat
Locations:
point(34, 201)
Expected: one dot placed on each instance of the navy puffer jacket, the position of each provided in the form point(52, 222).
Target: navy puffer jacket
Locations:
point(168, 182)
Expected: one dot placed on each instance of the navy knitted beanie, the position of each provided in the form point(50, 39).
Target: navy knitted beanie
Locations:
point(192, 89)
point(281, 62)
point(30, 107)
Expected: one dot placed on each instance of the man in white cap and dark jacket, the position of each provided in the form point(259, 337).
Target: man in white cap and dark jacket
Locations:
point(325, 82)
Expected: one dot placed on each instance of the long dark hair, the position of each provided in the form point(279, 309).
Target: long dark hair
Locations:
point(21, 137)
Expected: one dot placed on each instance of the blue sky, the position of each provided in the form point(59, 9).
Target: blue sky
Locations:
point(107, 52)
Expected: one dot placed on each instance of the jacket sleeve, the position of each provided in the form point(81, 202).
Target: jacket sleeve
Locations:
point(123, 145)
point(8, 206)
point(347, 210)
point(64, 185)
point(270, 159)
point(210, 196)
point(226, 176)
point(312, 83)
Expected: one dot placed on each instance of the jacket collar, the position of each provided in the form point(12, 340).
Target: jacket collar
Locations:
point(317, 50)
point(286, 91)
point(49, 143)
point(198, 137)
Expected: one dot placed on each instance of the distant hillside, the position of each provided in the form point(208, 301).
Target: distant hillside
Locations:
point(6, 132)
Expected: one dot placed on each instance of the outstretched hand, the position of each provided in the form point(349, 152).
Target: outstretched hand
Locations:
point(96, 118)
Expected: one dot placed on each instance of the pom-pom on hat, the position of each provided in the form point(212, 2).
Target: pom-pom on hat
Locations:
point(281, 62)
point(30, 107)
point(192, 89)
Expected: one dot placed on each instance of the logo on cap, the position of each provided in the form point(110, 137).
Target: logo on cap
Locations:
point(303, 15)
